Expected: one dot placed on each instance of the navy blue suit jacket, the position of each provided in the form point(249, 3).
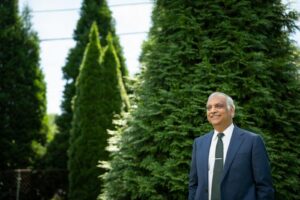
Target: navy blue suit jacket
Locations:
point(246, 174)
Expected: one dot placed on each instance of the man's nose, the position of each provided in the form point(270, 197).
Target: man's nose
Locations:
point(213, 109)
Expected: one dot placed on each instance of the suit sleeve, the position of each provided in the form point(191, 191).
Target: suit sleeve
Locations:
point(193, 178)
point(262, 171)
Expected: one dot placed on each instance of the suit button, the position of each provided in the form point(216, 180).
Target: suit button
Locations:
point(206, 190)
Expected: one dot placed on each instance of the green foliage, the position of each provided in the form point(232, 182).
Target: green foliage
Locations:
point(23, 122)
point(52, 127)
point(195, 48)
point(91, 10)
point(100, 94)
point(51, 158)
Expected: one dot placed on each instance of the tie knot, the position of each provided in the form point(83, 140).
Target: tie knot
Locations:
point(220, 135)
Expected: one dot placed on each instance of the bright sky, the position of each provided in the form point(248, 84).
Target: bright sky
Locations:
point(134, 18)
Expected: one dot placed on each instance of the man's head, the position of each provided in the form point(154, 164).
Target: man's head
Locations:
point(220, 110)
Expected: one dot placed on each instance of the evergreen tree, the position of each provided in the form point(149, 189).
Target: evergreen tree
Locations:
point(91, 10)
point(100, 95)
point(194, 48)
point(23, 124)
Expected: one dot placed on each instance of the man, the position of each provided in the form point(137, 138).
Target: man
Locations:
point(228, 163)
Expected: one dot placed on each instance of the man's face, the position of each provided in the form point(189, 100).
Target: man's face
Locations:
point(218, 114)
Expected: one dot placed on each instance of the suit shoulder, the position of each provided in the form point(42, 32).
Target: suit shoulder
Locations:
point(248, 133)
point(197, 139)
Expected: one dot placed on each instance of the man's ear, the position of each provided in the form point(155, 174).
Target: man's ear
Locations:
point(232, 112)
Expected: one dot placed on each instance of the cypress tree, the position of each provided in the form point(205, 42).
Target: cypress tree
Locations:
point(99, 95)
point(22, 90)
point(91, 10)
point(194, 48)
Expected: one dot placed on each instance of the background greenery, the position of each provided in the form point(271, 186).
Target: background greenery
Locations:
point(194, 48)
point(100, 94)
point(23, 121)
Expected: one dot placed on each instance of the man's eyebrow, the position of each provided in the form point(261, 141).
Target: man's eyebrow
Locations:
point(216, 104)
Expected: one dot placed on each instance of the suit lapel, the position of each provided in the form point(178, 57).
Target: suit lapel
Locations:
point(235, 143)
point(205, 152)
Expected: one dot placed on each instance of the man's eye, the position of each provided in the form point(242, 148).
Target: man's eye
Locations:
point(219, 106)
point(216, 106)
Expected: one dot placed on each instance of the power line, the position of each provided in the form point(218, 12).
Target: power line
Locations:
point(132, 33)
point(55, 39)
point(131, 4)
point(70, 38)
point(55, 10)
point(76, 9)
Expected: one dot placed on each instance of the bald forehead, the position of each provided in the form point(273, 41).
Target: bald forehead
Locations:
point(216, 96)
point(222, 96)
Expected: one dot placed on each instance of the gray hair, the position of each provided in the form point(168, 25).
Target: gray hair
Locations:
point(229, 100)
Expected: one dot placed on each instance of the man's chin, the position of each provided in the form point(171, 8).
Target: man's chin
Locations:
point(215, 122)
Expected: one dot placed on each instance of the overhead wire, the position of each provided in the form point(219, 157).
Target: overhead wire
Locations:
point(76, 9)
point(70, 38)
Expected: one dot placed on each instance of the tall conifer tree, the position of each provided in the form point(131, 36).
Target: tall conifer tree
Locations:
point(100, 94)
point(194, 48)
point(22, 90)
point(91, 10)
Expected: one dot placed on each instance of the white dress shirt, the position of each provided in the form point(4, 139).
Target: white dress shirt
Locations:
point(211, 157)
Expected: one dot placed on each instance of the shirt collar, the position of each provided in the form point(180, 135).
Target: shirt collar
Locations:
point(227, 132)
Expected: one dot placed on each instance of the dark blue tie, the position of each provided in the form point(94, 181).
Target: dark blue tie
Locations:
point(218, 169)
